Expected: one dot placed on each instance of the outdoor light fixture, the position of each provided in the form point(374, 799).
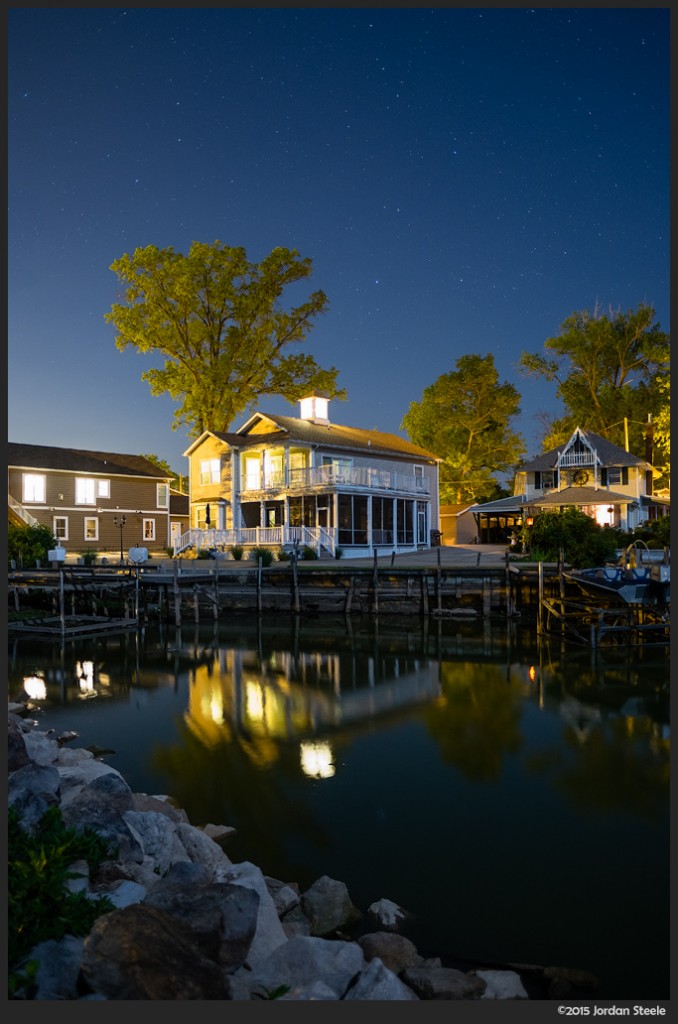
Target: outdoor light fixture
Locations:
point(121, 526)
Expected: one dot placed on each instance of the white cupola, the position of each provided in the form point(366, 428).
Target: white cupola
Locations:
point(314, 408)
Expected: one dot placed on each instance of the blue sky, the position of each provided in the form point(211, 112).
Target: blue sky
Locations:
point(463, 180)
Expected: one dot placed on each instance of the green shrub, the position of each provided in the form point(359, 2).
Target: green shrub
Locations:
point(283, 556)
point(338, 552)
point(265, 554)
point(582, 541)
point(309, 554)
point(40, 907)
point(28, 544)
point(236, 551)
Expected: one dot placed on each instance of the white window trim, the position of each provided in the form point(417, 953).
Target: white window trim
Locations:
point(38, 482)
point(103, 488)
point(145, 524)
point(210, 471)
point(162, 491)
point(57, 519)
point(90, 519)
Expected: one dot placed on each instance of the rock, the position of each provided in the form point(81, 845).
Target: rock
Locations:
point(442, 983)
point(378, 982)
point(395, 951)
point(501, 985)
point(328, 907)
point(301, 961)
point(387, 915)
point(141, 952)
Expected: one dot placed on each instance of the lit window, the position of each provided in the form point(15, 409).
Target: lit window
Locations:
point(104, 488)
point(60, 527)
point(91, 528)
point(209, 471)
point(84, 491)
point(162, 499)
point(149, 529)
point(34, 487)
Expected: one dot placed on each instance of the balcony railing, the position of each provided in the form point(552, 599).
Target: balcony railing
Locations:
point(20, 511)
point(570, 459)
point(258, 536)
point(300, 480)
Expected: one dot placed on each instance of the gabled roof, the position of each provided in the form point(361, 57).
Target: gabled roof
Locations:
point(329, 435)
point(78, 460)
point(179, 503)
point(608, 453)
point(582, 496)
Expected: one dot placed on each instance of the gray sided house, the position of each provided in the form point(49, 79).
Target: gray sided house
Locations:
point(79, 495)
point(278, 481)
point(608, 483)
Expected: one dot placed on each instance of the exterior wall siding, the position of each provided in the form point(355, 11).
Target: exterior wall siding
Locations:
point(136, 499)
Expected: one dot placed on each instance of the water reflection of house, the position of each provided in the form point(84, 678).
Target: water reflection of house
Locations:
point(292, 697)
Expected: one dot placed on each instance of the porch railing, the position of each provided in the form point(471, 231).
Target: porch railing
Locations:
point(337, 476)
point(258, 536)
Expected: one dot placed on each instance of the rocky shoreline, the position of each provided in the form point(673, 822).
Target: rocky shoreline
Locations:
point(189, 923)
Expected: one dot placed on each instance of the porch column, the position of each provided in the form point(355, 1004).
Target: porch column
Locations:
point(395, 523)
point(369, 523)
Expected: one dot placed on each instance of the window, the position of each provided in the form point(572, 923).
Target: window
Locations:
point(60, 527)
point(84, 491)
point(162, 495)
point(34, 487)
point(103, 488)
point(91, 528)
point(209, 471)
point(149, 529)
point(548, 480)
point(252, 473)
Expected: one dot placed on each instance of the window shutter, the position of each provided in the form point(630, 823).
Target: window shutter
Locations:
point(603, 477)
point(537, 481)
point(625, 474)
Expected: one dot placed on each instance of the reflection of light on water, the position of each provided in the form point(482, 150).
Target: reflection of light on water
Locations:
point(217, 708)
point(35, 687)
point(316, 760)
point(254, 701)
point(532, 673)
point(85, 674)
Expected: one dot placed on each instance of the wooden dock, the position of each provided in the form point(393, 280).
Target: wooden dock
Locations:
point(75, 600)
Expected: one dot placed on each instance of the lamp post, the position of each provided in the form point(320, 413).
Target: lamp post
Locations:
point(121, 527)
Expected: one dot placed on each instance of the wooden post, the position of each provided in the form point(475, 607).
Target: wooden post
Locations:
point(424, 594)
point(295, 584)
point(375, 586)
point(509, 596)
point(216, 589)
point(349, 595)
point(196, 603)
point(62, 609)
point(540, 596)
point(177, 594)
point(259, 585)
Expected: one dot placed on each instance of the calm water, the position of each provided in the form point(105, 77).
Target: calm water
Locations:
point(515, 798)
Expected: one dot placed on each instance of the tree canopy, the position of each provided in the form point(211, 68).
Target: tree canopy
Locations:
point(609, 370)
point(216, 319)
point(464, 418)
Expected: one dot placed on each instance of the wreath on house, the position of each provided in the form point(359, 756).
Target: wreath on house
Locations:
point(580, 477)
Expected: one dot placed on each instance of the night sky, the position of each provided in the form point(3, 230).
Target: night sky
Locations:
point(462, 179)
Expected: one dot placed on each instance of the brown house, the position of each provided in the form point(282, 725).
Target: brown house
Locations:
point(90, 501)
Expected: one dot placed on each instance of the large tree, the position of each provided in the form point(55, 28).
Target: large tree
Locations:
point(609, 370)
point(216, 319)
point(464, 418)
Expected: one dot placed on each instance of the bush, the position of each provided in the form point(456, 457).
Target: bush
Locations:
point(283, 556)
point(577, 535)
point(338, 552)
point(236, 551)
point(40, 907)
point(308, 554)
point(28, 544)
point(265, 554)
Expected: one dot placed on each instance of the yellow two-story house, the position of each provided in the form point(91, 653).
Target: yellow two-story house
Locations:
point(280, 481)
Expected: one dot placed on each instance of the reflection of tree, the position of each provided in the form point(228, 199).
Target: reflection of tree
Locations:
point(223, 783)
point(621, 765)
point(476, 721)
